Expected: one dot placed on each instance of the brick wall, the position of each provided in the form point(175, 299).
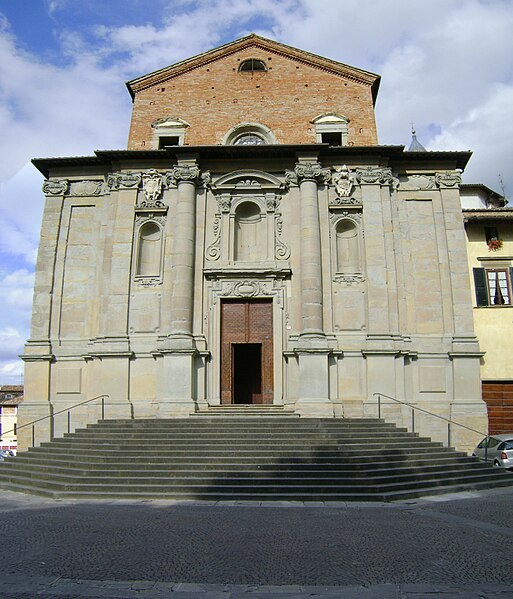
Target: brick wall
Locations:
point(216, 97)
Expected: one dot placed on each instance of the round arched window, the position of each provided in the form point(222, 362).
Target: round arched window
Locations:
point(249, 134)
point(251, 65)
point(249, 139)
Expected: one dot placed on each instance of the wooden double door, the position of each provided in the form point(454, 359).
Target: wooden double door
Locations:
point(247, 351)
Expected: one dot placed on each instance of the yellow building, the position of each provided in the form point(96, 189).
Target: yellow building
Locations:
point(489, 230)
point(10, 398)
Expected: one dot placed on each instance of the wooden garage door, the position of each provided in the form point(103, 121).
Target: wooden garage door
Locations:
point(247, 352)
point(498, 396)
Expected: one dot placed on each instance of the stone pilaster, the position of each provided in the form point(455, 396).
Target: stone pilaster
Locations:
point(307, 175)
point(311, 347)
point(178, 373)
point(182, 261)
point(38, 351)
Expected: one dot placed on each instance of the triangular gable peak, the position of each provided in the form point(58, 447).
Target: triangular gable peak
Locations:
point(253, 90)
point(262, 43)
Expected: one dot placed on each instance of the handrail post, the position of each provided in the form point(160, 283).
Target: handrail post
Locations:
point(486, 448)
point(103, 407)
point(69, 421)
point(448, 434)
point(33, 435)
point(413, 420)
point(379, 406)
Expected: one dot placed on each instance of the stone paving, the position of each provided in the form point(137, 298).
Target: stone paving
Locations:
point(446, 546)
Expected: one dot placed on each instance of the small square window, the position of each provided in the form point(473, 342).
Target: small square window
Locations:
point(491, 233)
point(165, 142)
point(333, 138)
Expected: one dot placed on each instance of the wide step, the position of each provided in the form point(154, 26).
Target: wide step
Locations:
point(247, 452)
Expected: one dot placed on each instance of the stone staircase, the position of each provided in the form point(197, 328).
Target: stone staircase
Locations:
point(242, 454)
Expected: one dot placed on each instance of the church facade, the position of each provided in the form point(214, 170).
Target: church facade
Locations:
point(254, 245)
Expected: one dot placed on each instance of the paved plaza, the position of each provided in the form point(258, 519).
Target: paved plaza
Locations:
point(446, 546)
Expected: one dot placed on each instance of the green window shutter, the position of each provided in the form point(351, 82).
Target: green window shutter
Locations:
point(481, 287)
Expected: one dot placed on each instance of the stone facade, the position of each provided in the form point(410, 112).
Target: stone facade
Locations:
point(308, 275)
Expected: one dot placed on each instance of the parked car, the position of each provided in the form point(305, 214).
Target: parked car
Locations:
point(497, 449)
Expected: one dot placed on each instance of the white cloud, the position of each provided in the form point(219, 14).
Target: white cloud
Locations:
point(17, 290)
point(11, 372)
point(11, 341)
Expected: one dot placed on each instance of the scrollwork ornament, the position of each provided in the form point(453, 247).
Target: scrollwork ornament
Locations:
point(248, 183)
point(148, 282)
point(291, 178)
point(448, 179)
point(271, 203)
point(374, 176)
point(55, 187)
point(85, 188)
point(214, 249)
point(206, 179)
point(345, 201)
point(130, 180)
point(349, 278)
point(243, 289)
point(282, 252)
point(224, 202)
point(126, 180)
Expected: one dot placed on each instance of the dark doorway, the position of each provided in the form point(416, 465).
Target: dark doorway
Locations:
point(247, 373)
point(247, 351)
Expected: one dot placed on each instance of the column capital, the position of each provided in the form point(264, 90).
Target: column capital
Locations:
point(184, 174)
point(308, 171)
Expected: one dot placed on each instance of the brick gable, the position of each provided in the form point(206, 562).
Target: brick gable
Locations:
point(212, 96)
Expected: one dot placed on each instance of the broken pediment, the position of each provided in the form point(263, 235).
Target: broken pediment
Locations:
point(251, 180)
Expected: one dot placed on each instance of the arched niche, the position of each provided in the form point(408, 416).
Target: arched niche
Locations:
point(149, 250)
point(249, 234)
point(347, 246)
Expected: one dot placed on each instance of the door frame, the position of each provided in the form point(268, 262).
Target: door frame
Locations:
point(247, 336)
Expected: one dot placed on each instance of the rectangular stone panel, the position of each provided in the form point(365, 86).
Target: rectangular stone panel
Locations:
point(78, 268)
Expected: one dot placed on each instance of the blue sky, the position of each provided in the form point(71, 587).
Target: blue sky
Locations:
point(447, 65)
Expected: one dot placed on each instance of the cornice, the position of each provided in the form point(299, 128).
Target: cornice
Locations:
point(390, 156)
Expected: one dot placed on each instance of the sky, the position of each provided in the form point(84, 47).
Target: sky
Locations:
point(446, 66)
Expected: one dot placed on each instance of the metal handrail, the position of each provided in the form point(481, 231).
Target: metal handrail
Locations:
point(448, 420)
point(53, 414)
